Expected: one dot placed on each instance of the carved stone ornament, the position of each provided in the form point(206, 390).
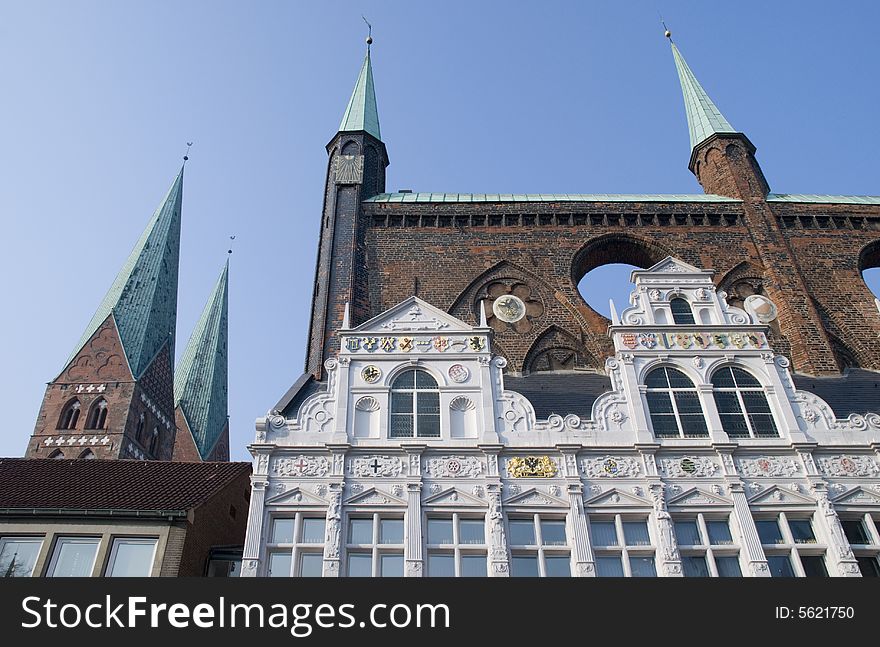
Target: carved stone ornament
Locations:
point(458, 373)
point(454, 467)
point(531, 467)
point(611, 467)
point(688, 466)
point(301, 466)
point(768, 466)
point(371, 374)
point(509, 308)
point(848, 465)
point(379, 466)
point(349, 169)
point(277, 421)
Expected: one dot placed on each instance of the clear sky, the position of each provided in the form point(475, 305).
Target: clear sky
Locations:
point(99, 99)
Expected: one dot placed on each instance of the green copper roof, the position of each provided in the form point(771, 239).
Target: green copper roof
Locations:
point(823, 199)
point(200, 381)
point(361, 113)
point(704, 118)
point(548, 197)
point(143, 298)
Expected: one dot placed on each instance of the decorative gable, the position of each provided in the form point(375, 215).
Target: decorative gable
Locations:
point(373, 496)
point(533, 497)
point(696, 496)
point(671, 264)
point(413, 315)
point(858, 496)
point(453, 496)
point(295, 496)
point(615, 498)
point(776, 494)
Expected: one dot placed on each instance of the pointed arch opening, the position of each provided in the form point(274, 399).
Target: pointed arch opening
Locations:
point(88, 455)
point(97, 418)
point(69, 415)
point(57, 454)
point(558, 350)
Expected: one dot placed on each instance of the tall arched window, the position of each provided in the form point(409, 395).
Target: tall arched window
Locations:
point(742, 404)
point(97, 415)
point(70, 415)
point(139, 432)
point(681, 311)
point(154, 441)
point(674, 404)
point(415, 406)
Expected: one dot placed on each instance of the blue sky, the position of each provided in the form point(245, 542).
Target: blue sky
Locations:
point(100, 98)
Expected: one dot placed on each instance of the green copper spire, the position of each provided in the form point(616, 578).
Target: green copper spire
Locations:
point(704, 118)
point(200, 381)
point(143, 298)
point(361, 113)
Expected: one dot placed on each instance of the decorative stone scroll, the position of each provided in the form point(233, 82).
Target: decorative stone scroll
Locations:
point(768, 466)
point(611, 467)
point(301, 466)
point(454, 467)
point(847, 465)
point(531, 467)
point(379, 466)
point(688, 466)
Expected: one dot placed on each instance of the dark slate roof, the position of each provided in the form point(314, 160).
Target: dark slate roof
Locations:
point(857, 391)
point(78, 484)
point(304, 386)
point(560, 392)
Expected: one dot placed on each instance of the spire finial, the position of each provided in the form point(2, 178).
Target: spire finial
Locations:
point(666, 31)
point(229, 252)
point(369, 32)
point(186, 154)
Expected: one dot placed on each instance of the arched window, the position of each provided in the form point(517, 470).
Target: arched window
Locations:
point(56, 455)
point(742, 404)
point(674, 405)
point(154, 441)
point(681, 311)
point(97, 415)
point(415, 406)
point(70, 415)
point(87, 455)
point(139, 433)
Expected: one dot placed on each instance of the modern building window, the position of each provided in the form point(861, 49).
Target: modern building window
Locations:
point(742, 404)
point(374, 546)
point(224, 562)
point(296, 546)
point(73, 557)
point(707, 548)
point(456, 546)
point(538, 547)
point(681, 311)
point(863, 534)
point(415, 406)
point(70, 415)
point(18, 555)
point(97, 415)
point(623, 547)
point(790, 546)
point(674, 404)
point(131, 557)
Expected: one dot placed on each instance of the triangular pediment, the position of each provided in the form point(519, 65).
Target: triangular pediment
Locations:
point(372, 496)
point(671, 264)
point(775, 494)
point(413, 315)
point(696, 496)
point(295, 496)
point(533, 497)
point(858, 496)
point(453, 496)
point(614, 498)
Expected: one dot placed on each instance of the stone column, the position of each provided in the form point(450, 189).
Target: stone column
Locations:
point(333, 532)
point(413, 564)
point(250, 559)
point(499, 560)
point(667, 547)
point(840, 553)
point(751, 543)
point(582, 550)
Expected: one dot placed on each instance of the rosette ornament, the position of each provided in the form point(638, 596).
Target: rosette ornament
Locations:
point(511, 306)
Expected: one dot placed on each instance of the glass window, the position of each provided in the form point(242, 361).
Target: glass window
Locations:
point(635, 533)
point(522, 532)
point(802, 531)
point(382, 557)
point(855, 531)
point(524, 566)
point(719, 532)
point(300, 539)
point(441, 565)
point(642, 566)
point(609, 566)
point(695, 566)
point(681, 311)
point(18, 555)
point(707, 548)
point(674, 404)
point(282, 531)
point(557, 565)
point(440, 531)
point(73, 557)
point(768, 531)
point(553, 532)
point(360, 531)
point(791, 547)
point(687, 533)
point(391, 565)
point(604, 533)
point(311, 564)
point(472, 531)
point(473, 566)
point(742, 404)
point(131, 557)
point(814, 566)
point(415, 406)
point(279, 564)
point(536, 554)
point(869, 566)
point(728, 566)
point(623, 547)
point(360, 565)
point(780, 566)
point(313, 531)
point(391, 531)
point(456, 547)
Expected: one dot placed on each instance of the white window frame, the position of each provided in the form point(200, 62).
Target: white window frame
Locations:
point(705, 548)
point(414, 392)
point(670, 392)
point(456, 548)
point(871, 525)
point(31, 539)
point(743, 410)
point(793, 549)
point(297, 548)
point(539, 548)
point(73, 539)
point(622, 550)
point(114, 546)
point(375, 549)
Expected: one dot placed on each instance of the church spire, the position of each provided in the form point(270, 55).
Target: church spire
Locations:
point(143, 298)
point(200, 381)
point(361, 113)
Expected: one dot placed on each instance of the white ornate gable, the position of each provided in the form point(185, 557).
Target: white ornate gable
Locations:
point(615, 498)
point(775, 494)
point(533, 497)
point(453, 497)
point(413, 315)
point(295, 496)
point(375, 496)
point(697, 497)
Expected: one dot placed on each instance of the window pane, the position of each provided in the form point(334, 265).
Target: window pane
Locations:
point(723, 379)
point(282, 531)
point(557, 565)
point(678, 380)
point(755, 401)
point(424, 380)
point(609, 566)
point(664, 425)
point(688, 402)
point(780, 566)
point(405, 380)
point(656, 379)
point(74, 557)
point(802, 531)
point(429, 426)
point(360, 565)
point(522, 532)
point(635, 533)
point(313, 531)
point(734, 425)
point(401, 403)
point(391, 565)
point(744, 378)
point(360, 531)
point(391, 531)
point(441, 565)
point(18, 556)
point(687, 534)
point(869, 566)
point(694, 425)
point(401, 425)
point(132, 558)
point(311, 565)
point(642, 566)
point(728, 566)
point(428, 403)
point(524, 566)
point(439, 531)
point(694, 566)
point(473, 566)
point(763, 425)
point(768, 531)
point(603, 533)
point(659, 402)
point(681, 311)
point(279, 564)
point(719, 532)
point(814, 566)
point(727, 402)
point(472, 531)
point(553, 532)
point(855, 531)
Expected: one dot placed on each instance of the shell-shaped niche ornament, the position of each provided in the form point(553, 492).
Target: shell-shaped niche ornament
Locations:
point(760, 308)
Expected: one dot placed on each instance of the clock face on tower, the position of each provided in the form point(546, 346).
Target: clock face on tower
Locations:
point(509, 308)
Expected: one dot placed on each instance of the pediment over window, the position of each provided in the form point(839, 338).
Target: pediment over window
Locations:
point(295, 496)
point(615, 498)
point(413, 315)
point(532, 497)
point(775, 494)
point(696, 497)
point(453, 497)
point(374, 496)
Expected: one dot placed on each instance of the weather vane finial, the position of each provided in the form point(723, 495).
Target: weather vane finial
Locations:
point(369, 33)
point(231, 238)
point(186, 154)
point(666, 31)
